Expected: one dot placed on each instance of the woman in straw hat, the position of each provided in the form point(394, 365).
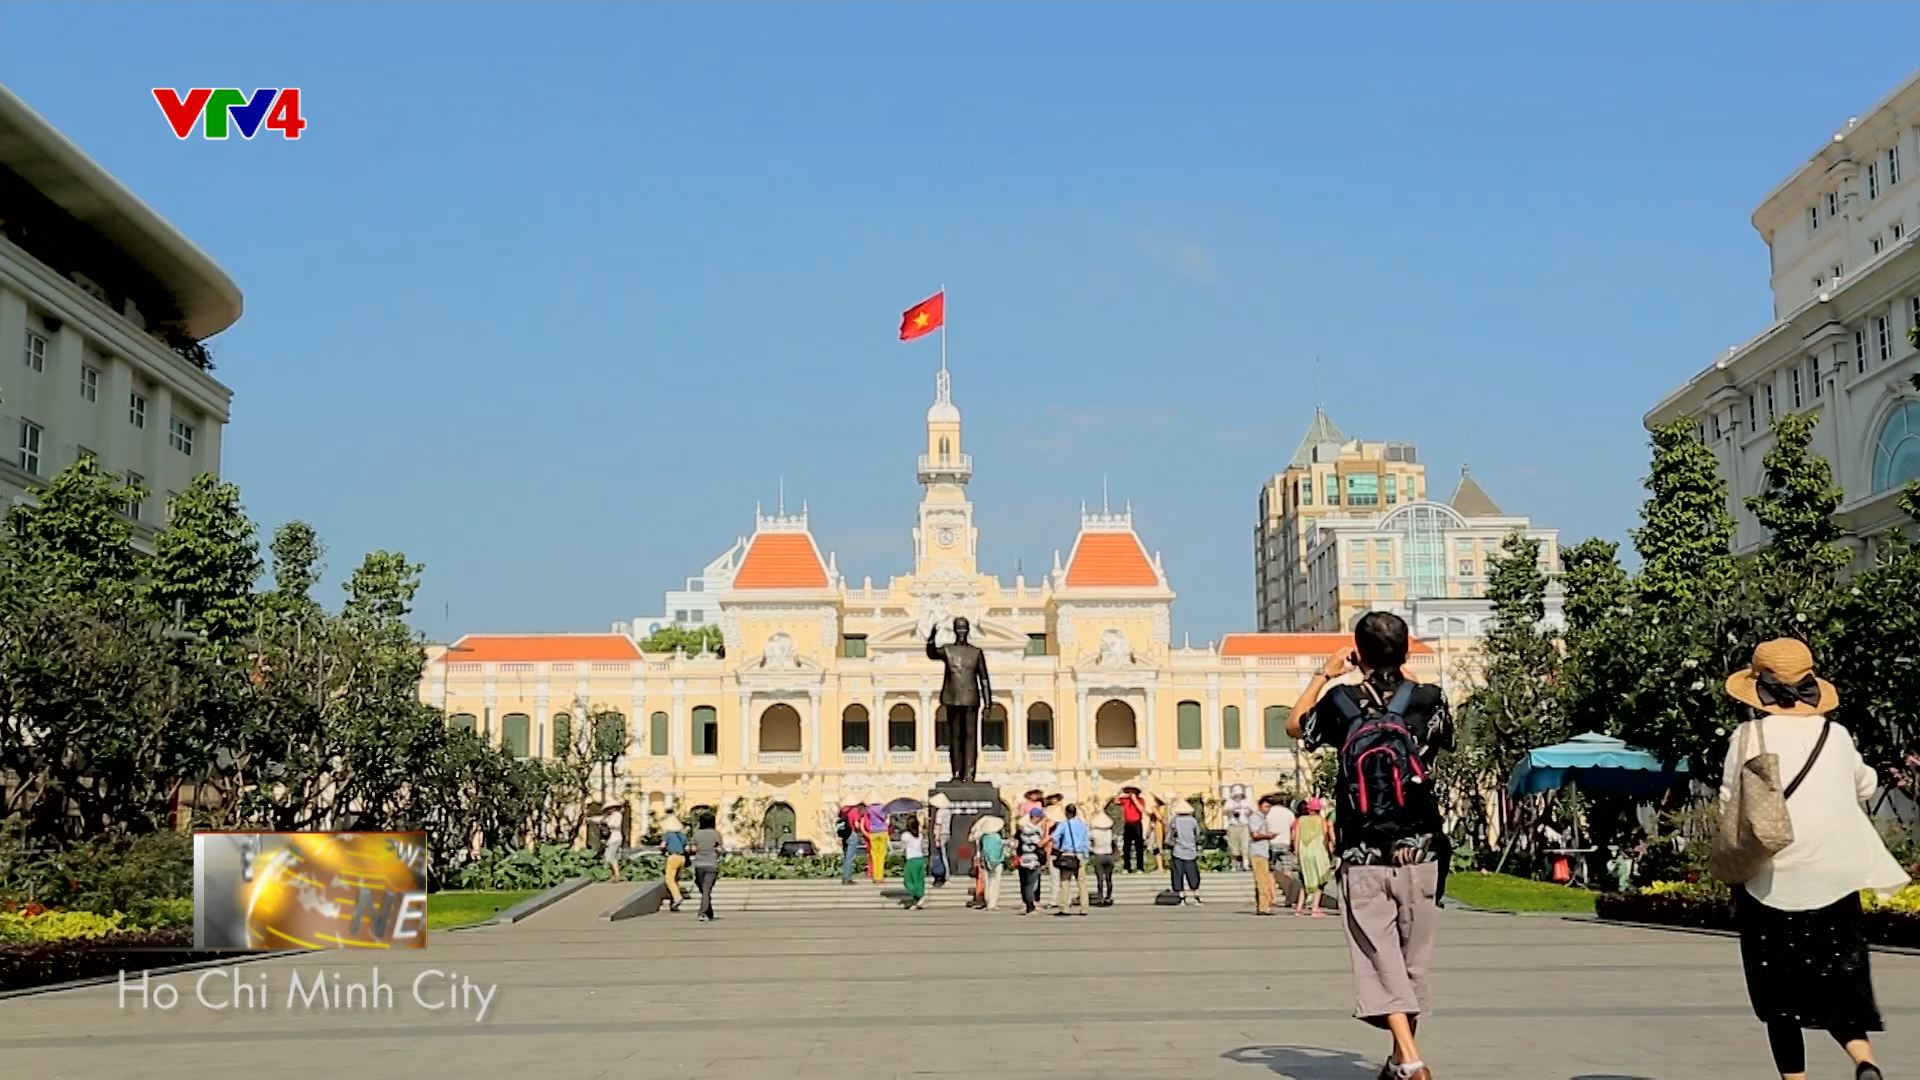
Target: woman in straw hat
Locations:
point(1801, 941)
point(673, 844)
point(989, 860)
point(1100, 843)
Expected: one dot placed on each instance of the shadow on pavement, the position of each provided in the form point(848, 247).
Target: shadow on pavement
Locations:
point(1305, 1062)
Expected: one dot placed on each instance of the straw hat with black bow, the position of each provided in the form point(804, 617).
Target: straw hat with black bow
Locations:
point(1780, 680)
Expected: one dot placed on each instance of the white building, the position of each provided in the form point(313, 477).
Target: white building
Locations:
point(1846, 292)
point(1426, 562)
point(103, 306)
point(696, 605)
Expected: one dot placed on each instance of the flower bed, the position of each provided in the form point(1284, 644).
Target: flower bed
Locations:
point(44, 963)
point(1891, 921)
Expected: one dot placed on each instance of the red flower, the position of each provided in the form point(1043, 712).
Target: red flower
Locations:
point(1693, 879)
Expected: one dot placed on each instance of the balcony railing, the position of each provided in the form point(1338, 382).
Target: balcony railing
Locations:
point(780, 757)
point(1039, 756)
point(1118, 753)
point(994, 757)
point(853, 757)
point(902, 757)
point(954, 467)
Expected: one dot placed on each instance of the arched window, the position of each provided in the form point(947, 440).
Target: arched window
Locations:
point(1189, 724)
point(464, 721)
point(562, 734)
point(1276, 727)
point(706, 730)
point(1896, 453)
point(1113, 726)
point(657, 741)
point(993, 728)
point(513, 733)
point(780, 730)
point(901, 735)
point(1230, 727)
point(1040, 726)
point(855, 729)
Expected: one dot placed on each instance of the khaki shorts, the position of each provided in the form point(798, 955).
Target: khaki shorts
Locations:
point(1391, 913)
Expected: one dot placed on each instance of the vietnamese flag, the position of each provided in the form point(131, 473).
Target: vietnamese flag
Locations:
point(924, 317)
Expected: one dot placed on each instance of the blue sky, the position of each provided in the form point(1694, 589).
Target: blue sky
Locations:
point(548, 297)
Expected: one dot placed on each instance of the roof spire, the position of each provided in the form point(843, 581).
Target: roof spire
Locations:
point(783, 497)
point(1104, 507)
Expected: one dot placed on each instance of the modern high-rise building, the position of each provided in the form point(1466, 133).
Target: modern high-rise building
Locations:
point(104, 312)
point(1328, 474)
point(1846, 294)
point(696, 605)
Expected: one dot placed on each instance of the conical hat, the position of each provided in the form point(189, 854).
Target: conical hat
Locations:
point(672, 824)
point(1101, 820)
point(985, 825)
point(1056, 813)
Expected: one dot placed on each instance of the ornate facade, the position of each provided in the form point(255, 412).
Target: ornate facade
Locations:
point(825, 695)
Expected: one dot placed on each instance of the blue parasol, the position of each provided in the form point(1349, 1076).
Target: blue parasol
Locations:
point(1597, 763)
point(902, 806)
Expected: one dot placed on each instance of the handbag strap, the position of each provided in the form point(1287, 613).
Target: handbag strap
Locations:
point(1811, 758)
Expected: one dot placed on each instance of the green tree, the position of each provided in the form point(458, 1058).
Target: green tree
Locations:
point(1871, 654)
point(206, 562)
point(77, 542)
point(693, 639)
point(1685, 541)
point(1514, 709)
point(1594, 586)
point(1792, 578)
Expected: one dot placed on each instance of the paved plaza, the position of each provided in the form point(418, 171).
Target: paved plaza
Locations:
point(1135, 992)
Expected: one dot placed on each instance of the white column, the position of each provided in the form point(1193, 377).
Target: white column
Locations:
point(813, 728)
point(677, 733)
point(1152, 750)
point(1216, 724)
point(540, 747)
point(1253, 726)
point(924, 723)
point(168, 464)
point(877, 740)
point(1084, 750)
point(1017, 729)
point(746, 728)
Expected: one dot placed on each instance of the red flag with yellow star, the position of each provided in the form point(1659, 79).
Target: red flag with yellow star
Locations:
point(924, 317)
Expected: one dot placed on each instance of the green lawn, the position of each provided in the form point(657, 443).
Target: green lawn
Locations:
point(446, 910)
point(1504, 892)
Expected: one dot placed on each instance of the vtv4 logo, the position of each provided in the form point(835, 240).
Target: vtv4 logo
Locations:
point(275, 110)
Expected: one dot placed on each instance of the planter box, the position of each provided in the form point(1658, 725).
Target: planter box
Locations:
point(1900, 929)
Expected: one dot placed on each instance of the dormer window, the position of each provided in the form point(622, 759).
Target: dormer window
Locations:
point(946, 450)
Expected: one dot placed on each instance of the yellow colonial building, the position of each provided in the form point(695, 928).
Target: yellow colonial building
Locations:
point(824, 694)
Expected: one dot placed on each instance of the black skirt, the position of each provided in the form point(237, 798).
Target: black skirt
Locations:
point(1807, 968)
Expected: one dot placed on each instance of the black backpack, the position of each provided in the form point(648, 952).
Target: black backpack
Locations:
point(1383, 786)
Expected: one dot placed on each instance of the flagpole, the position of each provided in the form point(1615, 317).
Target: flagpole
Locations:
point(943, 328)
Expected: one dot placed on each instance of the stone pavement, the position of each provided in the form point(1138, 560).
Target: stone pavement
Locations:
point(1136, 992)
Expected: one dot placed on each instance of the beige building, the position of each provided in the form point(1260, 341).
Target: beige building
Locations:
point(102, 309)
point(825, 693)
point(1328, 474)
point(1845, 273)
point(1426, 562)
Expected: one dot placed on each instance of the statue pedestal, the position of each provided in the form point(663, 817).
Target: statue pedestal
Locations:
point(972, 800)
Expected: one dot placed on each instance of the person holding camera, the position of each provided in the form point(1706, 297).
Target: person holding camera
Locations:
point(1387, 730)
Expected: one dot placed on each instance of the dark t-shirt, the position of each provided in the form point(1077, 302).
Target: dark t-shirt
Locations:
point(1432, 725)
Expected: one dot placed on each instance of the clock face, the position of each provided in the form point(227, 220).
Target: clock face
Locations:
point(945, 537)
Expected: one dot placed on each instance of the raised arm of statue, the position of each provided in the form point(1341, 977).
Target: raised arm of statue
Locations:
point(933, 649)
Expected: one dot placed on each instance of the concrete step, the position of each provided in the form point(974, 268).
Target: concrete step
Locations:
point(831, 895)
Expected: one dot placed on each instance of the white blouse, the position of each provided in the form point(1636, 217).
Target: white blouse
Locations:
point(1835, 850)
point(913, 847)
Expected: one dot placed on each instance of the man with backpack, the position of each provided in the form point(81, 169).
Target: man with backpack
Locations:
point(1387, 730)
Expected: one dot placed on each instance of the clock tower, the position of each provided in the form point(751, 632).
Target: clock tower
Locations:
point(944, 539)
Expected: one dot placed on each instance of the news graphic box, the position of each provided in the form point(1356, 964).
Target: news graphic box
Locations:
point(309, 890)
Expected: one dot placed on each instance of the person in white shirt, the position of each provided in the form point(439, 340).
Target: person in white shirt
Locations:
point(1100, 841)
point(1259, 856)
point(1801, 938)
point(1286, 870)
point(1238, 813)
point(615, 821)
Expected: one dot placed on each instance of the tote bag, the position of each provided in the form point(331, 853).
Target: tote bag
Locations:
point(1754, 823)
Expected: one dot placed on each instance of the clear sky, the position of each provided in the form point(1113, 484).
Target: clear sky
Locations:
point(548, 297)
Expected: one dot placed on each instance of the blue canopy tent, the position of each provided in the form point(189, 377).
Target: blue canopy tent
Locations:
point(1597, 763)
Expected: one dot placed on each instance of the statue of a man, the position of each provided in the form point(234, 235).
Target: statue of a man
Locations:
point(964, 691)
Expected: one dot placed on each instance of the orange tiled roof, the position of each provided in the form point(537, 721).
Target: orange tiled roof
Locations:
point(540, 648)
point(1108, 560)
point(781, 561)
point(1318, 645)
